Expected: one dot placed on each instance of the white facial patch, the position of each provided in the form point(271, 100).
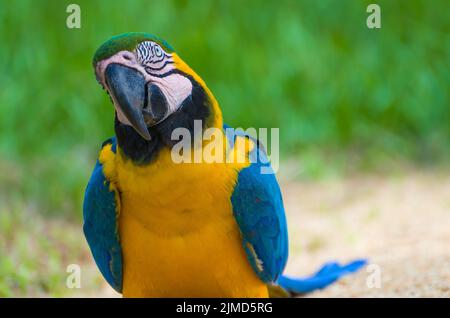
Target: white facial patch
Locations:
point(157, 67)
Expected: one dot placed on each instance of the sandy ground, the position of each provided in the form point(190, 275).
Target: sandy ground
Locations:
point(401, 224)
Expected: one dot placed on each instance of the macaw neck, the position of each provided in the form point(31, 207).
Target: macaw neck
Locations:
point(132, 146)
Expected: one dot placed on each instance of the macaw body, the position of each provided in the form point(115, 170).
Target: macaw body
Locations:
point(157, 228)
point(185, 242)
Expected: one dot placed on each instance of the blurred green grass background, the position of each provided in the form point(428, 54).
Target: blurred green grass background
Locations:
point(344, 96)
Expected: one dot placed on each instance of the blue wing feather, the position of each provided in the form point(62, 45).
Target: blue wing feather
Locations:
point(100, 225)
point(259, 212)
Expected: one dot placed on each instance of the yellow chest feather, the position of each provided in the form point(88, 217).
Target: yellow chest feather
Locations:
point(178, 234)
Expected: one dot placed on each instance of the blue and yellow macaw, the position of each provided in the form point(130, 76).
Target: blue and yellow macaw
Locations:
point(158, 228)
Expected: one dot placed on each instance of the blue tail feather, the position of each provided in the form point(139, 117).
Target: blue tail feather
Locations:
point(326, 275)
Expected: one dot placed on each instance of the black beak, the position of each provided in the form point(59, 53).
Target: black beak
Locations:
point(128, 88)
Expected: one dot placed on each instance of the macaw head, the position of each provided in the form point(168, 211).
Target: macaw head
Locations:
point(153, 91)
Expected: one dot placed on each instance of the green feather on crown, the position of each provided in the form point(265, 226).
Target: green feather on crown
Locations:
point(128, 42)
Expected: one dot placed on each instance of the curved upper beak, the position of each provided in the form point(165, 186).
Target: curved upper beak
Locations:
point(127, 87)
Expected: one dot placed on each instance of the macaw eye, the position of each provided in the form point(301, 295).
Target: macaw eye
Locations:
point(158, 51)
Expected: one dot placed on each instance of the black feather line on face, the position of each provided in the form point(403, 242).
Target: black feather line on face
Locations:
point(195, 107)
